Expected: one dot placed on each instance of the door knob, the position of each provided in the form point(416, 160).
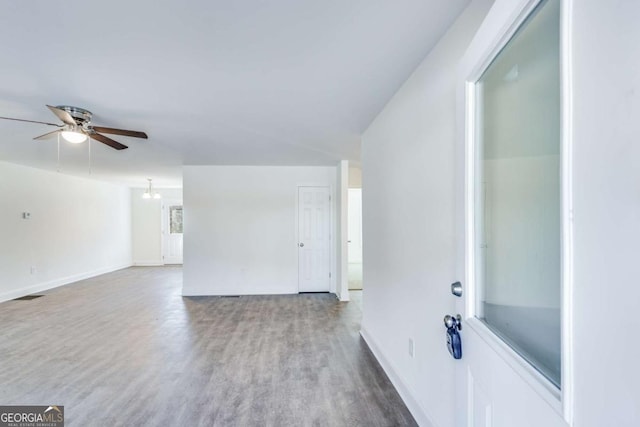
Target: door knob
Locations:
point(454, 341)
point(453, 321)
point(301, 245)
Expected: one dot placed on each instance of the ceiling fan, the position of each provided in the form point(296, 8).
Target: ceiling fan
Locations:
point(77, 127)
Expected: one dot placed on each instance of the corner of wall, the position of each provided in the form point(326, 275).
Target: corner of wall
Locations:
point(342, 281)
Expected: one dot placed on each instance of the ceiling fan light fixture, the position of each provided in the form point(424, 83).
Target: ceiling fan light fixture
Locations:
point(73, 136)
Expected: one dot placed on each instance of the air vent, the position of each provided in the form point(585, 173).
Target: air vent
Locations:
point(28, 297)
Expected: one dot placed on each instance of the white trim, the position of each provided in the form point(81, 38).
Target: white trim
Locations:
point(148, 263)
point(566, 168)
point(420, 414)
point(206, 292)
point(44, 286)
point(513, 23)
point(342, 285)
point(469, 200)
point(162, 242)
point(470, 381)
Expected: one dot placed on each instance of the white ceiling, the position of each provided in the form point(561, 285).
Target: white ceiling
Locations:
point(250, 82)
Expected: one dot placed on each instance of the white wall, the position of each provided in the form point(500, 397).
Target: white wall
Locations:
point(241, 227)
point(355, 177)
point(408, 223)
point(606, 206)
point(78, 228)
point(147, 226)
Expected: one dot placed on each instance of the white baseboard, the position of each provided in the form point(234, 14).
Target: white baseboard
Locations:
point(405, 392)
point(142, 263)
point(43, 286)
point(195, 292)
point(344, 297)
point(204, 292)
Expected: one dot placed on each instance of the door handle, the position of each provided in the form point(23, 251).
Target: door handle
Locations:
point(301, 245)
point(454, 341)
point(453, 322)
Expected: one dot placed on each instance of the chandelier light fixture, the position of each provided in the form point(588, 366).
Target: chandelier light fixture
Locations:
point(149, 193)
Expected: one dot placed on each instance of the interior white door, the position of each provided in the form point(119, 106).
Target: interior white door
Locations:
point(172, 231)
point(513, 370)
point(314, 221)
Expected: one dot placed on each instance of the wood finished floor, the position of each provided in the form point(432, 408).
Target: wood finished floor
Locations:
point(126, 348)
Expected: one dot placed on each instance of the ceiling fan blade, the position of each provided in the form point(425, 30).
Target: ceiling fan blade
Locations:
point(48, 134)
point(30, 121)
point(105, 140)
point(62, 115)
point(133, 133)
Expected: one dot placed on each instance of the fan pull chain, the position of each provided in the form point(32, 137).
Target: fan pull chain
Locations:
point(89, 154)
point(58, 165)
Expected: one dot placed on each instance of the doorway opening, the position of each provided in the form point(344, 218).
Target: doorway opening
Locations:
point(354, 227)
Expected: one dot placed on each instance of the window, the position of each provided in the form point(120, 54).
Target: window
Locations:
point(517, 192)
point(175, 219)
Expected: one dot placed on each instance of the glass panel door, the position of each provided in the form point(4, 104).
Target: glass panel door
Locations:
point(175, 219)
point(517, 222)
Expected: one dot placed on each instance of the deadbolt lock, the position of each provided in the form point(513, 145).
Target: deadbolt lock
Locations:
point(456, 289)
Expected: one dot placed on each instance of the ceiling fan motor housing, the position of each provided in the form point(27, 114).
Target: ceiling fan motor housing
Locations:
point(80, 115)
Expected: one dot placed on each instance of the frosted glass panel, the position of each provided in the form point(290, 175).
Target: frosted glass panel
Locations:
point(518, 192)
point(175, 219)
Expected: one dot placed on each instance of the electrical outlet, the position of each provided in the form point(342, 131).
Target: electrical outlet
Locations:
point(33, 269)
point(412, 347)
